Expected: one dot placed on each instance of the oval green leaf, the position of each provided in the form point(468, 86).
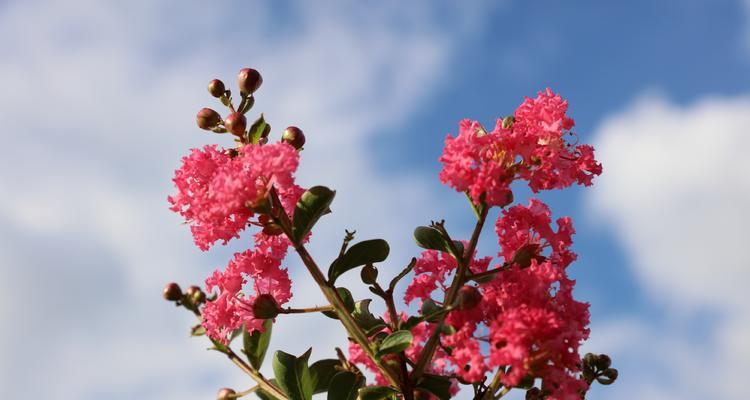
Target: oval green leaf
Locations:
point(256, 344)
point(395, 342)
point(293, 375)
point(313, 204)
point(346, 295)
point(377, 393)
point(365, 252)
point(345, 385)
point(322, 372)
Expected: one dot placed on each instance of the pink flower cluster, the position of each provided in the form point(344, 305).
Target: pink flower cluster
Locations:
point(217, 190)
point(532, 148)
point(261, 267)
point(527, 319)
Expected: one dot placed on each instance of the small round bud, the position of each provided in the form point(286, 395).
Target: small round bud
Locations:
point(207, 118)
point(603, 362)
point(265, 307)
point(226, 394)
point(270, 228)
point(195, 294)
point(369, 274)
point(589, 359)
point(236, 123)
point(533, 394)
point(468, 297)
point(216, 88)
point(608, 377)
point(294, 137)
point(249, 80)
point(172, 292)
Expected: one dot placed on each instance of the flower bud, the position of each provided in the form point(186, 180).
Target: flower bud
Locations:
point(294, 137)
point(236, 123)
point(195, 295)
point(369, 274)
point(603, 362)
point(172, 292)
point(265, 307)
point(608, 377)
point(226, 394)
point(468, 297)
point(216, 88)
point(533, 394)
point(249, 80)
point(207, 118)
point(270, 228)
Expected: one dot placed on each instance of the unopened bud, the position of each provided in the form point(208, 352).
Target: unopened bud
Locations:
point(468, 297)
point(195, 294)
point(533, 394)
point(608, 377)
point(236, 123)
point(369, 274)
point(270, 228)
point(226, 394)
point(249, 80)
point(216, 88)
point(265, 307)
point(294, 137)
point(207, 118)
point(172, 292)
point(603, 362)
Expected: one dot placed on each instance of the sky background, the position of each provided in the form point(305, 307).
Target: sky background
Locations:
point(97, 106)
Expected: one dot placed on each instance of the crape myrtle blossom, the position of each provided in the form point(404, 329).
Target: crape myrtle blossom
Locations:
point(259, 269)
point(530, 146)
point(216, 188)
point(527, 318)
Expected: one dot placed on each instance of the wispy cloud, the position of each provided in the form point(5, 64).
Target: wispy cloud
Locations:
point(675, 192)
point(97, 108)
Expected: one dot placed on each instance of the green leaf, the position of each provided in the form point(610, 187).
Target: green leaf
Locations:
point(365, 319)
point(346, 295)
point(344, 386)
point(430, 310)
point(293, 375)
point(255, 344)
point(377, 393)
point(365, 252)
point(311, 206)
point(395, 342)
point(256, 129)
point(322, 372)
point(432, 239)
point(437, 385)
point(402, 274)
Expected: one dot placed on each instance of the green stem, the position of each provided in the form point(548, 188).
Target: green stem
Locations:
point(305, 310)
point(458, 280)
point(262, 382)
point(332, 295)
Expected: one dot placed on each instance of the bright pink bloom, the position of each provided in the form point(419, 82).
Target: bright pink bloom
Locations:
point(484, 164)
point(260, 267)
point(215, 191)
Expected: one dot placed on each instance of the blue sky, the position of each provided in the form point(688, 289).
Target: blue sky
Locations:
point(98, 106)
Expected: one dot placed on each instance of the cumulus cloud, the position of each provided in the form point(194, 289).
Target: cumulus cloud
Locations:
point(97, 108)
point(675, 192)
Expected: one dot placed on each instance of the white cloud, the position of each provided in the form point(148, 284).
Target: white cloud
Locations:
point(97, 108)
point(675, 189)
